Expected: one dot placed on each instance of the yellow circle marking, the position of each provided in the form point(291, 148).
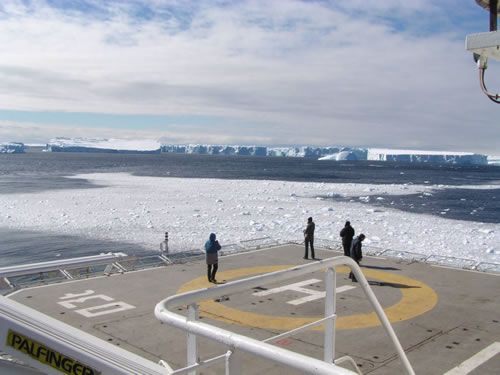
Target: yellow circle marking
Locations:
point(415, 301)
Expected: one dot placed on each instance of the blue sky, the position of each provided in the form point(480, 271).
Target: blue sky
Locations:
point(389, 73)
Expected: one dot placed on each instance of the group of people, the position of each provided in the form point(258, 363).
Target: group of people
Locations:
point(351, 245)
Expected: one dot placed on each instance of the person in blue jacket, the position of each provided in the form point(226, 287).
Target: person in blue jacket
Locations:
point(212, 247)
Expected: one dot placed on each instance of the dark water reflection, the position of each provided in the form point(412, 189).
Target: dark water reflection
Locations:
point(18, 247)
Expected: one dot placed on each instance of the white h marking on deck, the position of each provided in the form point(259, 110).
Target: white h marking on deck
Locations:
point(476, 360)
point(299, 287)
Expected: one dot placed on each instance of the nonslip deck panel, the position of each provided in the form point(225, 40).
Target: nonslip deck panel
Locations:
point(442, 316)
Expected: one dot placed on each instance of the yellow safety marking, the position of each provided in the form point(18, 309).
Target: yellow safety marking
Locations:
point(416, 300)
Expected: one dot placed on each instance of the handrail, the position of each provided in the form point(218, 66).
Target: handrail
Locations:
point(163, 312)
point(45, 337)
point(53, 265)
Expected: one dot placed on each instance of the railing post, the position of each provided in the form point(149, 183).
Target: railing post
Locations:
point(329, 344)
point(192, 348)
point(233, 363)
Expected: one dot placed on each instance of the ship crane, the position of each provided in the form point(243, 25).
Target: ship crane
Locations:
point(486, 45)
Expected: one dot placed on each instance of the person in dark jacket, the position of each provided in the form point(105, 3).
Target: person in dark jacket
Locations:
point(356, 252)
point(212, 247)
point(309, 237)
point(347, 233)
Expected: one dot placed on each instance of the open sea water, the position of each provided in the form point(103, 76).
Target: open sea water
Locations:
point(39, 172)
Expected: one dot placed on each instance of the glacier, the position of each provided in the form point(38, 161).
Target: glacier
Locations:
point(335, 153)
point(12, 148)
point(122, 146)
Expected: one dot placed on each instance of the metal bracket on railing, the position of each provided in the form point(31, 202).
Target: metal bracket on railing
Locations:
point(346, 358)
point(66, 274)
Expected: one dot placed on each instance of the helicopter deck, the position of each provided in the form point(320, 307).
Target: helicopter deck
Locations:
point(447, 320)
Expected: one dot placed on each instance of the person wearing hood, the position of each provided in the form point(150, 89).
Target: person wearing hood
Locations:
point(356, 253)
point(212, 247)
point(347, 233)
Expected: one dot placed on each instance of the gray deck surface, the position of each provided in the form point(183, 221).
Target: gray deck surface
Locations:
point(464, 321)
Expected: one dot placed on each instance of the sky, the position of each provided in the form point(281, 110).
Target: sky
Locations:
point(367, 73)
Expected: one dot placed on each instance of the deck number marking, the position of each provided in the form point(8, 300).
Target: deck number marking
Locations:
point(70, 304)
point(90, 312)
point(107, 309)
point(299, 287)
point(73, 295)
point(476, 360)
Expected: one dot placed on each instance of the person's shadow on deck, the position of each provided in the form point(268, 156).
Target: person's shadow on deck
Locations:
point(392, 285)
point(380, 267)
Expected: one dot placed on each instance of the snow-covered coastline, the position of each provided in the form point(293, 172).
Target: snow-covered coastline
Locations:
point(139, 210)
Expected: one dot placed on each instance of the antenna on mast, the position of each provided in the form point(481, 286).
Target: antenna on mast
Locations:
point(486, 45)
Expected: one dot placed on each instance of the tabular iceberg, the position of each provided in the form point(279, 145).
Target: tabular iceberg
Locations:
point(216, 149)
point(447, 157)
point(292, 151)
point(494, 159)
point(122, 146)
point(12, 148)
point(347, 154)
point(336, 153)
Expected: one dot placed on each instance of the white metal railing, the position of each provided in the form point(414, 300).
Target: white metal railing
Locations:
point(236, 342)
point(25, 269)
point(47, 344)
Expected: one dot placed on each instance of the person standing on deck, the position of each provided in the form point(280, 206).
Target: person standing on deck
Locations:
point(347, 233)
point(212, 248)
point(309, 238)
point(356, 253)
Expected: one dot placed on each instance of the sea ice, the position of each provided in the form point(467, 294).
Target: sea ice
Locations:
point(140, 209)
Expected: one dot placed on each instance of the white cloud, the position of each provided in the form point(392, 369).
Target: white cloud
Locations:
point(303, 72)
point(40, 133)
point(15, 131)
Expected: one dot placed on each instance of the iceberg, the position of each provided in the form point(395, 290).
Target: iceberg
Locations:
point(347, 154)
point(337, 153)
point(446, 157)
point(122, 146)
point(302, 151)
point(216, 149)
point(494, 159)
point(292, 151)
point(12, 148)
